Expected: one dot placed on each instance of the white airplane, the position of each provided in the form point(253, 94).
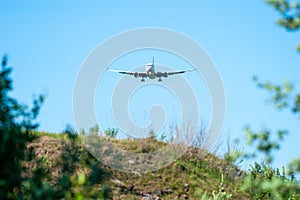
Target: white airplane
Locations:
point(150, 72)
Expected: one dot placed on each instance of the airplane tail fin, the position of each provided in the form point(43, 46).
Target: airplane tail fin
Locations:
point(153, 61)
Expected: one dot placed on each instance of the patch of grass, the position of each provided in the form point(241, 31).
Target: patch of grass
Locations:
point(146, 145)
point(52, 135)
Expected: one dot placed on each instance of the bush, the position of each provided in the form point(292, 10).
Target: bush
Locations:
point(16, 126)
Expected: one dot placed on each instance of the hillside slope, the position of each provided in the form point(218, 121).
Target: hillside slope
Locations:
point(72, 172)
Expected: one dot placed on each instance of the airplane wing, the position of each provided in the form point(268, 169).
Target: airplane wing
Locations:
point(122, 72)
point(179, 72)
point(135, 74)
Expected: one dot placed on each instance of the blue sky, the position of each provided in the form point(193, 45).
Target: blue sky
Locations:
point(47, 41)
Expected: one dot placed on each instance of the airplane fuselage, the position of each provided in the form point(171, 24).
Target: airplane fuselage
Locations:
point(150, 70)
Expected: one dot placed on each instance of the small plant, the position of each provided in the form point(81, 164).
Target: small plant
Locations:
point(94, 130)
point(70, 132)
point(105, 192)
point(163, 136)
point(111, 132)
point(152, 134)
point(219, 194)
point(233, 153)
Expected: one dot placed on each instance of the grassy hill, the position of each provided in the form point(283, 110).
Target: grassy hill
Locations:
point(71, 172)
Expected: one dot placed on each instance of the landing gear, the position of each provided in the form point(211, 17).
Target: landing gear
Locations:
point(143, 80)
point(159, 80)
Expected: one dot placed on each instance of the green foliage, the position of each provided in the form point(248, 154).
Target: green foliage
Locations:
point(281, 95)
point(219, 194)
point(94, 130)
point(111, 132)
point(155, 136)
point(263, 142)
point(152, 134)
point(81, 188)
point(70, 132)
point(37, 186)
point(105, 192)
point(16, 126)
point(294, 166)
point(289, 13)
point(266, 183)
point(163, 136)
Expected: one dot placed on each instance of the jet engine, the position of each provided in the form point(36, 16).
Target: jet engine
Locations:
point(165, 74)
point(136, 74)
